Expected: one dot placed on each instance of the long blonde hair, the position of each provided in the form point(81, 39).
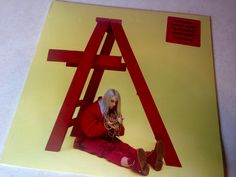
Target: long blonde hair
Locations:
point(106, 99)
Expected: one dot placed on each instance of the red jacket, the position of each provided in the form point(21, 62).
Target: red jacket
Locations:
point(92, 123)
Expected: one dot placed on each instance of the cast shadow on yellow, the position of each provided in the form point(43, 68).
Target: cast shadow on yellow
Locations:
point(180, 78)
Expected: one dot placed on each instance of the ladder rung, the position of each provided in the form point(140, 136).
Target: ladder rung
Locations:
point(108, 20)
point(73, 122)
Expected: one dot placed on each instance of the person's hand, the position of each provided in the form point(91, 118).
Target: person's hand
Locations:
point(111, 125)
point(120, 119)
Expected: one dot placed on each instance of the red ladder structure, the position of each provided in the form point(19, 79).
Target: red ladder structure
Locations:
point(87, 60)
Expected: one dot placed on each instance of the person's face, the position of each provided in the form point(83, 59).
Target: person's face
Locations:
point(113, 102)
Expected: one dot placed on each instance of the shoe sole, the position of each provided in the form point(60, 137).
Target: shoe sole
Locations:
point(143, 162)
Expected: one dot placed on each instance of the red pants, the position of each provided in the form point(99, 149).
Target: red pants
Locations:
point(111, 150)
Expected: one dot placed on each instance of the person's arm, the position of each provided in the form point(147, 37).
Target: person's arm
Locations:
point(91, 124)
point(122, 130)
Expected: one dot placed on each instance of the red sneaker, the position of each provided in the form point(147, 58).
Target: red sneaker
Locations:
point(155, 157)
point(140, 163)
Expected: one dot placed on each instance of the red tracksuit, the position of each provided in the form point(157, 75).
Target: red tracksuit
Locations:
point(95, 139)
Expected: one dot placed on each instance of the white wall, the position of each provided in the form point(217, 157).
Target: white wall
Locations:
point(20, 26)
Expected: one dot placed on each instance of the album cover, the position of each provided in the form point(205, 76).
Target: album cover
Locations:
point(174, 71)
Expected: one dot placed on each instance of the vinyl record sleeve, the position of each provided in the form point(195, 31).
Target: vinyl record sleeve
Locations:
point(174, 52)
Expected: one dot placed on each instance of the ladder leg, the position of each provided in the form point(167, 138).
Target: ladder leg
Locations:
point(145, 96)
point(94, 81)
point(65, 115)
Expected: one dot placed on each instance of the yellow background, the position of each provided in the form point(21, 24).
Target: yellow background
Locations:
point(180, 78)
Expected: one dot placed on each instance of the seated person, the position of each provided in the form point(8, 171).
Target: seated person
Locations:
point(101, 123)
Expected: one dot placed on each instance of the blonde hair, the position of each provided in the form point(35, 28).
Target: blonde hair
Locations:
point(107, 99)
